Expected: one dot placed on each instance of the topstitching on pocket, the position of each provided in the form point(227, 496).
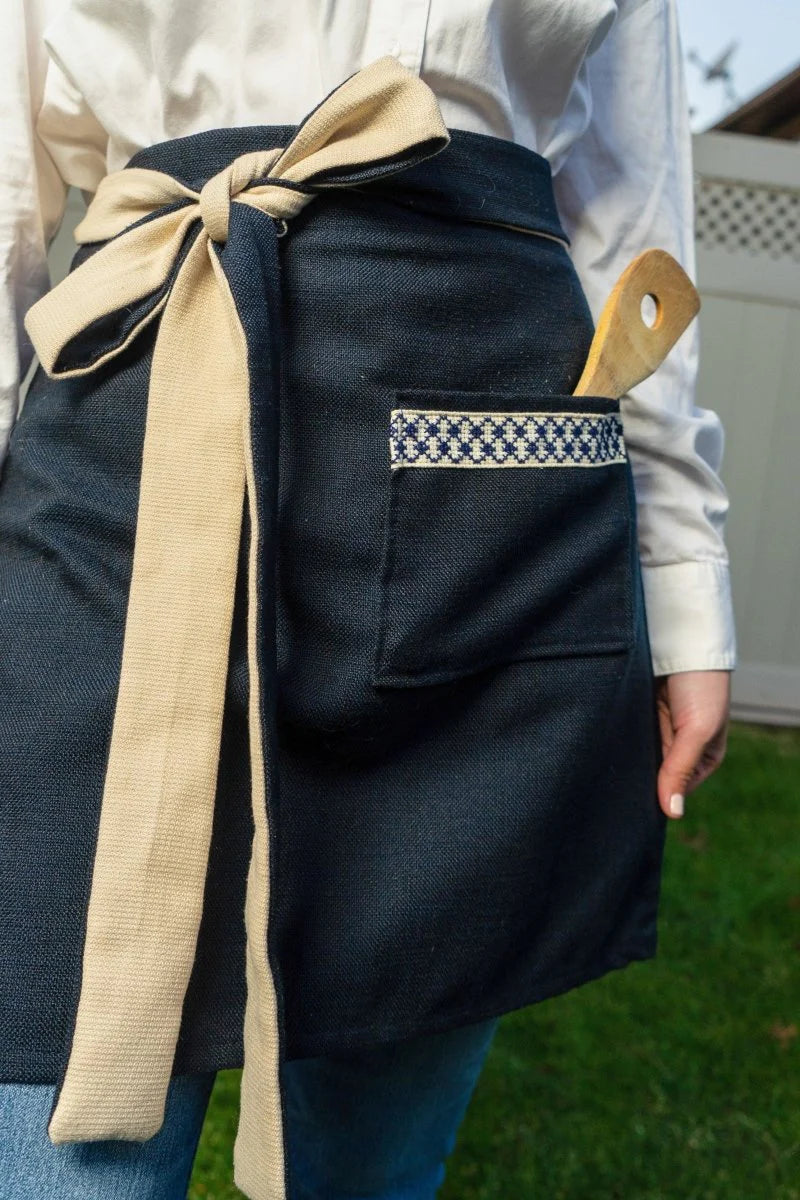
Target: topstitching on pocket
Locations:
point(483, 566)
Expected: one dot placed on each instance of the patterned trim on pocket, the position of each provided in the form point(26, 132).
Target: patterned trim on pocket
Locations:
point(427, 438)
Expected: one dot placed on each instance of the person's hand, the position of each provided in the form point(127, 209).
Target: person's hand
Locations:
point(693, 714)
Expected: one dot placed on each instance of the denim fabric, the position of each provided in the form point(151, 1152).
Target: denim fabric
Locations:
point(459, 695)
point(31, 1167)
point(373, 1125)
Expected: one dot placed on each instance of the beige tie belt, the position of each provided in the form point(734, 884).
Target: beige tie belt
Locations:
point(197, 471)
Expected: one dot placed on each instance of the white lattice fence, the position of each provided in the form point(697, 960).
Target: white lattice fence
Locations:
point(748, 218)
point(747, 208)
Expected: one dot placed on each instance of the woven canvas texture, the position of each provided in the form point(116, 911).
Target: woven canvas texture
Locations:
point(463, 816)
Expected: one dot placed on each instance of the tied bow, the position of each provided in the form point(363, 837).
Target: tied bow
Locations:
point(162, 257)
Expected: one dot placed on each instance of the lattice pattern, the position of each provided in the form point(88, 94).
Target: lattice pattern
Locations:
point(748, 218)
point(422, 438)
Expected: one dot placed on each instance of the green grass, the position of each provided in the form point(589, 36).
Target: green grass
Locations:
point(672, 1079)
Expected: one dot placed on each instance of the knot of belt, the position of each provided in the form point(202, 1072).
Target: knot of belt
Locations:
point(164, 256)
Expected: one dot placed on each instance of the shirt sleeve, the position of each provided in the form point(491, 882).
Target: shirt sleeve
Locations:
point(32, 198)
point(48, 140)
point(624, 186)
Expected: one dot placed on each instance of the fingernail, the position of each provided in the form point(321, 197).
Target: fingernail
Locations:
point(676, 804)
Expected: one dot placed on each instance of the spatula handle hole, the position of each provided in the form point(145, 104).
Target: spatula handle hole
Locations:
point(650, 309)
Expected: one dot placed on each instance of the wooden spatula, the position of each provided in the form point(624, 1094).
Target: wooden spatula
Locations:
point(624, 349)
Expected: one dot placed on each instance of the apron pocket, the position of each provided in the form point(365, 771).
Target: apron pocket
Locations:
point(510, 533)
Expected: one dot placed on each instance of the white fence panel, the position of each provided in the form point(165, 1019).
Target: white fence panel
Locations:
point(748, 274)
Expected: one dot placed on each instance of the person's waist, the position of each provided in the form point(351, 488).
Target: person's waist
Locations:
point(477, 177)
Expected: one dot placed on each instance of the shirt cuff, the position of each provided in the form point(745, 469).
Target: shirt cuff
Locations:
point(690, 618)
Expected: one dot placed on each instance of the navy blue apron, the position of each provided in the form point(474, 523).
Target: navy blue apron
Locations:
point(464, 819)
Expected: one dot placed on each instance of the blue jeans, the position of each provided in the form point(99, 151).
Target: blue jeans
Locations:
point(375, 1124)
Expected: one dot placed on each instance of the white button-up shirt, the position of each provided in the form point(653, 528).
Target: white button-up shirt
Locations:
point(595, 86)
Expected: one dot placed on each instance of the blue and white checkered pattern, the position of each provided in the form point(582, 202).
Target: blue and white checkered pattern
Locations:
point(424, 438)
